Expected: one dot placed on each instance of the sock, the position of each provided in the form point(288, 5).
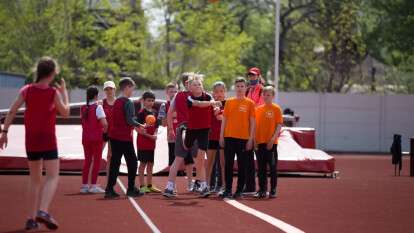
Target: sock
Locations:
point(85, 186)
point(149, 186)
point(203, 185)
point(170, 185)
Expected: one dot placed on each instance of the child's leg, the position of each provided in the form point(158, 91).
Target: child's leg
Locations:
point(116, 147)
point(132, 163)
point(35, 183)
point(149, 173)
point(108, 159)
point(222, 167)
point(273, 168)
point(52, 178)
point(250, 172)
point(211, 157)
point(141, 171)
point(262, 160)
point(174, 168)
point(200, 164)
point(229, 153)
point(87, 162)
point(241, 163)
point(171, 154)
point(96, 163)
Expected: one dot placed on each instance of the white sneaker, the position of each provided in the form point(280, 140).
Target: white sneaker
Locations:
point(84, 188)
point(190, 186)
point(96, 189)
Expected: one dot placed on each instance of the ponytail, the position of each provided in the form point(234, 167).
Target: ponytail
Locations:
point(91, 93)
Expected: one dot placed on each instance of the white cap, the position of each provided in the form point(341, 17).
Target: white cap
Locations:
point(109, 84)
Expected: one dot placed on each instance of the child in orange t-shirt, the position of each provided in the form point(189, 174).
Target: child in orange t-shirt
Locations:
point(236, 135)
point(269, 121)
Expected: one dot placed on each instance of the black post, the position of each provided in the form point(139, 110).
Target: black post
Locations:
point(412, 157)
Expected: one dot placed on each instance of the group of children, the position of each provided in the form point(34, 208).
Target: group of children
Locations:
point(199, 126)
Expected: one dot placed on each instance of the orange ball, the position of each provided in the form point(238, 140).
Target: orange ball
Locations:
point(150, 120)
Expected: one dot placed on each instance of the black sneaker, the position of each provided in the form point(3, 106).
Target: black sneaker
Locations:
point(196, 186)
point(31, 224)
point(205, 192)
point(272, 193)
point(260, 194)
point(111, 194)
point(237, 195)
point(169, 193)
point(46, 219)
point(134, 192)
point(225, 194)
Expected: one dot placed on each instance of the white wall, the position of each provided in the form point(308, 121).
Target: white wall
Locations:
point(343, 122)
point(351, 122)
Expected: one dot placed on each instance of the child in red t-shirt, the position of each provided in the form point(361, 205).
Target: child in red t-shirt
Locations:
point(108, 105)
point(146, 142)
point(94, 131)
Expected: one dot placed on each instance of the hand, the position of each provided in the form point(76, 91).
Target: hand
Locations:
point(3, 141)
point(219, 117)
point(221, 141)
point(217, 104)
point(216, 110)
point(249, 145)
point(61, 86)
point(269, 145)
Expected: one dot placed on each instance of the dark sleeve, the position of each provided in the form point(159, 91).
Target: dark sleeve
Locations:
point(141, 117)
point(130, 113)
point(208, 97)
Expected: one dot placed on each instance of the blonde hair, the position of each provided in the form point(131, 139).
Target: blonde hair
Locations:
point(269, 89)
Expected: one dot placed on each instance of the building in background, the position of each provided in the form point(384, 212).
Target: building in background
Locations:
point(11, 80)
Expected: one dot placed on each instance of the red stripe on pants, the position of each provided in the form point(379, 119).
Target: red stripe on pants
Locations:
point(93, 156)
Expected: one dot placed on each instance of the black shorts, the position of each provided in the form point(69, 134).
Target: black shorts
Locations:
point(146, 156)
point(199, 135)
point(45, 155)
point(214, 145)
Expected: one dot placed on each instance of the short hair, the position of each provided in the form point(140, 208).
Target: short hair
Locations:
point(269, 89)
point(185, 76)
point(240, 80)
point(219, 84)
point(170, 85)
point(148, 95)
point(45, 67)
point(194, 77)
point(126, 82)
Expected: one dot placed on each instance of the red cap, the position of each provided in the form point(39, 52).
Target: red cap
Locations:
point(255, 71)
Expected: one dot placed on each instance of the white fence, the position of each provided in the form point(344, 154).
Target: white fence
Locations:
point(343, 122)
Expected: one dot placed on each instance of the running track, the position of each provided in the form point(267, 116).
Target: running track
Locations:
point(365, 198)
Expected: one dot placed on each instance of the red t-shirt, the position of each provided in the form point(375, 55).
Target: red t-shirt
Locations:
point(216, 124)
point(39, 117)
point(199, 118)
point(143, 142)
point(181, 108)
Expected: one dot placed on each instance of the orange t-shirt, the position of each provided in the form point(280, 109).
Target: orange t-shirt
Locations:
point(238, 113)
point(267, 119)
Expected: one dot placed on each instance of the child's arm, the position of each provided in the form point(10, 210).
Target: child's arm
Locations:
point(223, 126)
point(150, 136)
point(130, 114)
point(252, 127)
point(269, 145)
point(203, 104)
point(170, 116)
point(62, 99)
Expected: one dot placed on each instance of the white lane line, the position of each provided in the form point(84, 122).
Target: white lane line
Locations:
point(265, 217)
point(139, 210)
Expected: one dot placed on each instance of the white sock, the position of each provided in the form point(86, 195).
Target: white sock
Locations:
point(203, 185)
point(170, 185)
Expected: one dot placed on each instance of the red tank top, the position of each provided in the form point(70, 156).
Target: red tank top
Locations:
point(92, 129)
point(175, 122)
point(40, 119)
point(108, 112)
point(120, 129)
point(180, 104)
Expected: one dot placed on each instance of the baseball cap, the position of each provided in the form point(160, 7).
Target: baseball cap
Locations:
point(255, 71)
point(109, 84)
